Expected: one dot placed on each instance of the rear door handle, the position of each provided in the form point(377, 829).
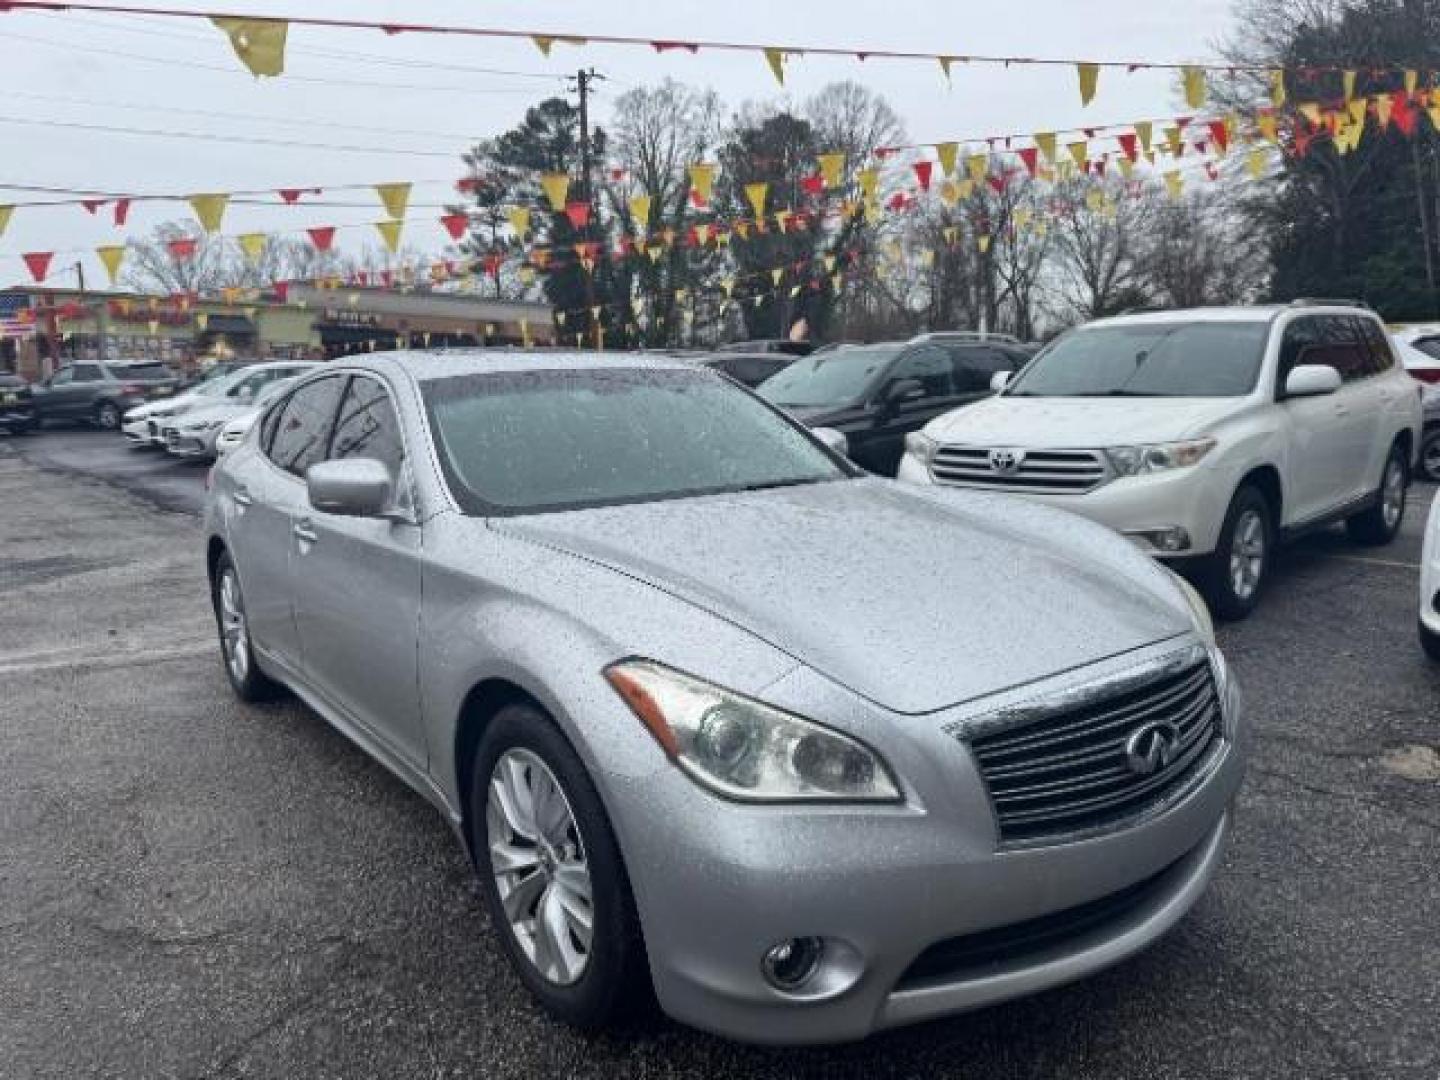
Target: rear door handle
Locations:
point(242, 497)
point(305, 532)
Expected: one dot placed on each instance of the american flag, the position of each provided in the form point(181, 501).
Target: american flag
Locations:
point(16, 318)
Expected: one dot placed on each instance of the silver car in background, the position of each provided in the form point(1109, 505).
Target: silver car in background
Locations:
point(193, 434)
point(808, 752)
point(232, 433)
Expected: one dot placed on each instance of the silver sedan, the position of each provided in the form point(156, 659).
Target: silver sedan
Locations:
point(806, 752)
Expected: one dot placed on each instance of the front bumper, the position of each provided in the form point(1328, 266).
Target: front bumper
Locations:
point(718, 883)
point(1191, 499)
point(17, 414)
point(191, 444)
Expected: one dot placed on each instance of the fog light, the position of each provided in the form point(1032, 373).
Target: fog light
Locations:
point(1168, 540)
point(791, 964)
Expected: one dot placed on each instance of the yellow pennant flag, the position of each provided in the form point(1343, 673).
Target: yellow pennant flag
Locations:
point(1045, 140)
point(950, 193)
point(869, 181)
point(1095, 199)
point(543, 43)
point(259, 43)
point(1079, 153)
point(1193, 79)
point(253, 244)
point(977, 165)
point(210, 209)
point(1277, 88)
point(777, 274)
point(966, 188)
point(1127, 167)
point(1433, 110)
point(831, 166)
point(394, 197)
point(1175, 182)
point(1267, 124)
point(945, 62)
point(640, 210)
point(6, 212)
point(111, 256)
point(702, 180)
point(1349, 82)
point(1145, 131)
point(951, 233)
point(1089, 81)
point(1023, 215)
point(829, 261)
point(1174, 141)
point(1311, 112)
point(1412, 79)
point(946, 152)
point(556, 187)
point(519, 219)
point(1383, 105)
point(984, 243)
point(776, 59)
point(756, 194)
point(1357, 111)
point(390, 233)
point(202, 321)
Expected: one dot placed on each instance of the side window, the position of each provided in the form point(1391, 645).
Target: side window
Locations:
point(974, 368)
point(302, 428)
point(269, 423)
point(251, 385)
point(63, 377)
point(1300, 335)
point(367, 426)
point(1430, 346)
point(931, 366)
point(1342, 348)
point(1382, 356)
point(86, 372)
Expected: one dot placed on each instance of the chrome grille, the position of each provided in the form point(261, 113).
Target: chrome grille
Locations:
point(1061, 471)
point(1068, 771)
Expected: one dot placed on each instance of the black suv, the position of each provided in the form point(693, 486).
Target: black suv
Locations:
point(100, 394)
point(17, 407)
point(878, 394)
point(750, 369)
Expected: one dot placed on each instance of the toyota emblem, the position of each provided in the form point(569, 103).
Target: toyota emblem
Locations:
point(1006, 462)
point(1152, 748)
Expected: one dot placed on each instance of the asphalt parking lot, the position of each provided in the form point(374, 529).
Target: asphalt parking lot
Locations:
point(194, 888)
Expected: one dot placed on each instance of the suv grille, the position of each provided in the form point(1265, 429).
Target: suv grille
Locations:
point(1070, 771)
point(1064, 471)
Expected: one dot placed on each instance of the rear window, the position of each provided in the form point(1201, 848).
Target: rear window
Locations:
point(144, 371)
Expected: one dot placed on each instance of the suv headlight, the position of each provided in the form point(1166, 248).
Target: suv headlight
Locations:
point(1135, 460)
point(921, 447)
point(745, 750)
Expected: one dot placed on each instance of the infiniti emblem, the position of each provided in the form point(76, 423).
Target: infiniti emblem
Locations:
point(1006, 462)
point(1152, 748)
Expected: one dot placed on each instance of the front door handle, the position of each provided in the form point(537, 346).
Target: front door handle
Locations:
point(242, 497)
point(305, 533)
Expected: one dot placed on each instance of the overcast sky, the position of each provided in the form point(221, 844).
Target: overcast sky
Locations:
point(407, 106)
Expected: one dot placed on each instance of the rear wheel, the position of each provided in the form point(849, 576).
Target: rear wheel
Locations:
point(1241, 563)
point(1430, 642)
point(1381, 523)
point(551, 871)
point(236, 647)
point(107, 416)
point(1430, 455)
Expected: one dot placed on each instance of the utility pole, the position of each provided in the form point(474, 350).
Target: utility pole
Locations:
point(582, 81)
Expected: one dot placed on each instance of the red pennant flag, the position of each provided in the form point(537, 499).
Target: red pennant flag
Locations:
point(291, 195)
point(1403, 115)
point(578, 213)
point(997, 183)
point(1219, 134)
point(38, 263)
point(1100, 167)
point(282, 291)
point(1303, 139)
point(322, 237)
point(456, 224)
point(387, 278)
point(812, 185)
point(922, 173)
point(897, 201)
point(92, 205)
point(122, 211)
point(182, 250)
point(666, 46)
point(362, 278)
point(1129, 145)
point(1030, 158)
point(492, 265)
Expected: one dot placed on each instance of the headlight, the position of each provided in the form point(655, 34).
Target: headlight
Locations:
point(1204, 624)
point(745, 750)
point(204, 425)
point(920, 446)
point(1135, 460)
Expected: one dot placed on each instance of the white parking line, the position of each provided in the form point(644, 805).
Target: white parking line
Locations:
point(1377, 562)
point(61, 659)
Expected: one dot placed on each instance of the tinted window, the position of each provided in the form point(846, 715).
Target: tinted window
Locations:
point(86, 372)
point(546, 440)
point(929, 365)
point(1197, 359)
point(301, 431)
point(143, 371)
point(1340, 347)
point(974, 367)
point(62, 377)
point(1430, 346)
point(1372, 334)
point(834, 378)
point(367, 426)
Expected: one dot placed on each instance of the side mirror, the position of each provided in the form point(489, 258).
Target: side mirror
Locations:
point(903, 390)
point(835, 441)
point(1000, 380)
point(1312, 380)
point(352, 487)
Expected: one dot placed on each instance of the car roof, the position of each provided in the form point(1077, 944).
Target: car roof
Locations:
point(426, 366)
point(1251, 313)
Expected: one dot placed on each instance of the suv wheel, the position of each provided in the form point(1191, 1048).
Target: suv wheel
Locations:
point(236, 647)
point(1381, 522)
point(1430, 455)
point(1430, 642)
point(554, 882)
point(1241, 562)
point(107, 416)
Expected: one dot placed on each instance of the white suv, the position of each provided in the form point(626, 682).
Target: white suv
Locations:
point(1205, 436)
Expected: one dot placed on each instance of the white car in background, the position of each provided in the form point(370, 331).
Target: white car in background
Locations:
point(1430, 585)
point(233, 431)
point(142, 426)
point(1425, 367)
point(1207, 437)
point(195, 433)
point(1421, 352)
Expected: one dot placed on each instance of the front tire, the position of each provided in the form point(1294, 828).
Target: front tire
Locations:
point(236, 648)
point(1241, 563)
point(107, 416)
point(1381, 523)
point(1430, 642)
point(554, 881)
point(1430, 455)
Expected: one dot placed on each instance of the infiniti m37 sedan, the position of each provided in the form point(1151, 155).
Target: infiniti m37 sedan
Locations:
point(722, 721)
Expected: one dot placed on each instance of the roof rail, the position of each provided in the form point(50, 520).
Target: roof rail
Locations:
point(1327, 301)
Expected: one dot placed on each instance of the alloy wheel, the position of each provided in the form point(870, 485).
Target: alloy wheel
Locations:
point(1247, 554)
point(234, 638)
point(1430, 458)
point(108, 417)
point(538, 861)
point(1392, 497)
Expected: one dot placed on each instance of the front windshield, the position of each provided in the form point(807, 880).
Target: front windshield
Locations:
point(219, 385)
point(834, 378)
point(272, 391)
point(1192, 359)
point(530, 441)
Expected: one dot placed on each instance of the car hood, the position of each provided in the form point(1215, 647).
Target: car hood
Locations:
point(1079, 423)
point(171, 406)
point(198, 413)
point(916, 598)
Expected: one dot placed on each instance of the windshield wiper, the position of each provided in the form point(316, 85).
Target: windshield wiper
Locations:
point(767, 485)
point(1118, 393)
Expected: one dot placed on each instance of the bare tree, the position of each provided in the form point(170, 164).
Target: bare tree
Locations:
point(1098, 250)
